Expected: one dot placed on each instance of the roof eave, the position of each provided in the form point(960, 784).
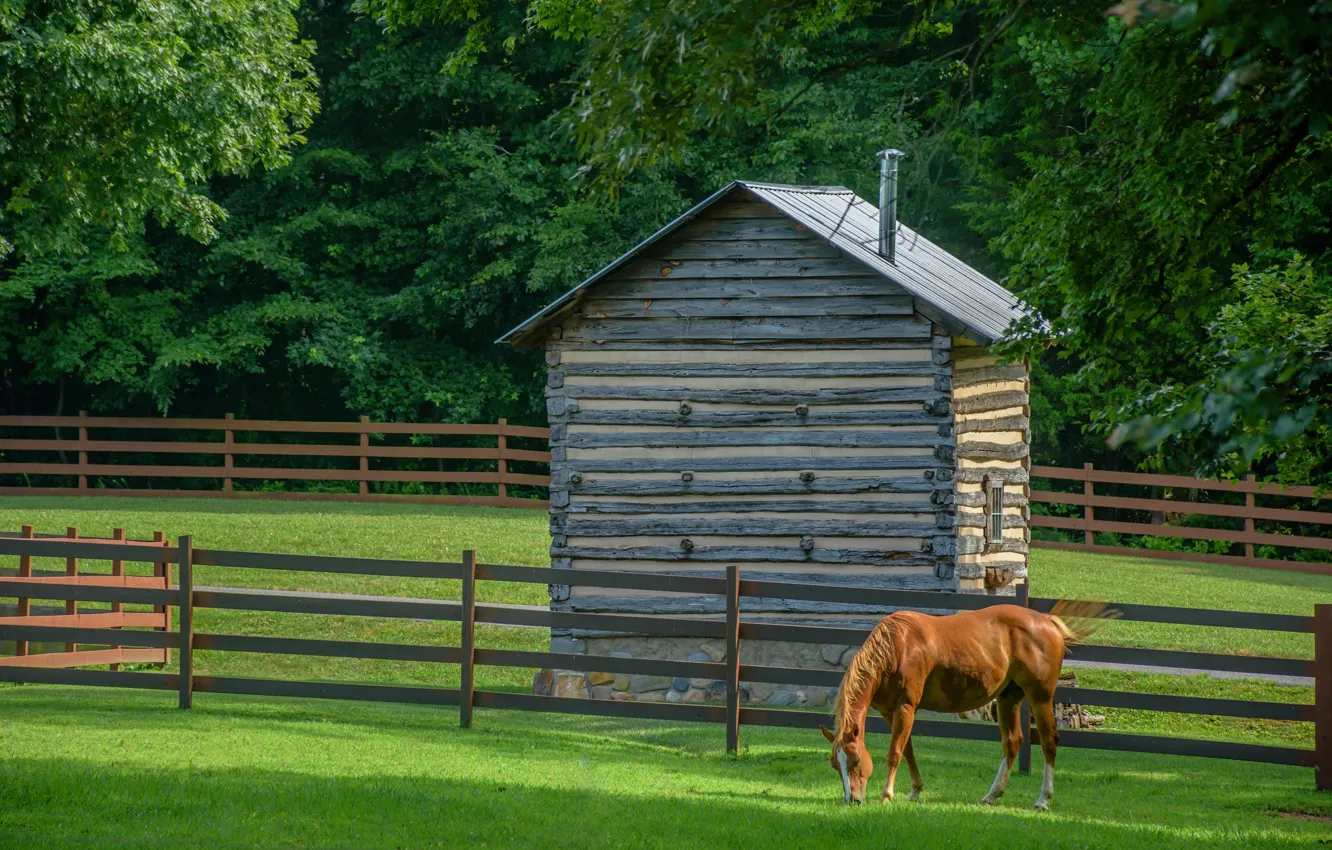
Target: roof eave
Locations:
point(520, 334)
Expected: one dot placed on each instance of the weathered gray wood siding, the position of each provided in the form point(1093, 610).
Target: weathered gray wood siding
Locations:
point(993, 426)
point(745, 395)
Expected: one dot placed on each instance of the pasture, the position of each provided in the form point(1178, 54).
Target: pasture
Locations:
point(240, 771)
point(94, 768)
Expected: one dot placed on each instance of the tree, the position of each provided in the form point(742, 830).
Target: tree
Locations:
point(1120, 167)
point(114, 111)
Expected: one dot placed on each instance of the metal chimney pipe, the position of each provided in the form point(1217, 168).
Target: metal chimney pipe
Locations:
point(888, 203)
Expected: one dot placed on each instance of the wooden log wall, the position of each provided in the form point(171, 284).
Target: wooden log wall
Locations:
point(993, 425)
point(743, 394)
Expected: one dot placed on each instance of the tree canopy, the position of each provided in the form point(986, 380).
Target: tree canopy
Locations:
point(1155, 181)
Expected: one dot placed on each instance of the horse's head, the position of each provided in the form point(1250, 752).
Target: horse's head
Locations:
point(851, 760)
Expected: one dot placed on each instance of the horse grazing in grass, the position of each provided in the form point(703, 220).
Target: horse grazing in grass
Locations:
point(954, 664)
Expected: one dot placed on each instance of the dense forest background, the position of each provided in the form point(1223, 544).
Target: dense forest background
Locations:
point(1175, 232)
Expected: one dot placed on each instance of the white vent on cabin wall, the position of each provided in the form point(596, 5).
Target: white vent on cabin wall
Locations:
point(994, 511)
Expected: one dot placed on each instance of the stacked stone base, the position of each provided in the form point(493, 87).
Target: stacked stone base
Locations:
point(641, 688)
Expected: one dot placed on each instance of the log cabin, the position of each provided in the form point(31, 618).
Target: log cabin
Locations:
point(788, 379)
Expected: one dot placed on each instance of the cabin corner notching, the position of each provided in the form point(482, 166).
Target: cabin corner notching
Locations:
point(756, 385)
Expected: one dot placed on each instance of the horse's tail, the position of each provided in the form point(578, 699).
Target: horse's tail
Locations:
point(1077, 620)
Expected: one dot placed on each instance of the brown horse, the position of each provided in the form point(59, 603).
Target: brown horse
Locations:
point(954, 664)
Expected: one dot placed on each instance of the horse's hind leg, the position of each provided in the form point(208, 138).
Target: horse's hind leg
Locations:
point(917, 784)
point(1010, 738)
point(1045, 726)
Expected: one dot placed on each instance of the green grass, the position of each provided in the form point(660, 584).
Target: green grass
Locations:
point(111, 769)
point(369, 530)
point(520, 537)
point(1079, 575)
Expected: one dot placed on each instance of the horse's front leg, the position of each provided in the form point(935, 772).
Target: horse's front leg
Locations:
point(902, 718)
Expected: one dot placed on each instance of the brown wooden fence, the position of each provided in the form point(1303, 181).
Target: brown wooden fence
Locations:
point(116, 617)
point(733, 630)
point(216, 439)
point(1089, 500)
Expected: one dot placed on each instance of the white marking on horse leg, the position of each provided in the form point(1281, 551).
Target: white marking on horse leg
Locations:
point(1047, 789)
point(888, 786)
point(1000, 782)
point(846, 780)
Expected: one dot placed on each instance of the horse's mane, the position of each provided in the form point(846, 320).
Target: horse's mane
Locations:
point(875, 657)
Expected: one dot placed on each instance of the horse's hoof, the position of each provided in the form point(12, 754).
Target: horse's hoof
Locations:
point(1041, 806)
point(914, 798)
point(987, 800)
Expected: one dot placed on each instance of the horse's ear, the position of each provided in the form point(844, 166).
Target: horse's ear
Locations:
point(852, 732)
point(827, 733)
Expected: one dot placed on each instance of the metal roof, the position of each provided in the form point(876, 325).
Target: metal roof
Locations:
point(964, 299)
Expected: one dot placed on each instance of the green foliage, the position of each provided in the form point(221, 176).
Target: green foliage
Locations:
point(114, 111)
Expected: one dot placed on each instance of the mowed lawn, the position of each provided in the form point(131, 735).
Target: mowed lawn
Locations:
point(521, 537)
point(110, 769)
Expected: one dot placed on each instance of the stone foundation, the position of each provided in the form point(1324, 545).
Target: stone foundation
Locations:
point(641, 688)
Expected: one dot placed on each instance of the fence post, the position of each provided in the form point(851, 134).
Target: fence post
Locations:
point(117, 569)
point(1250, 502)
point(1323, 697)
point(228, 438)
point(186, 603)
point(163, 570)
point(1088, 538)
point(71, 569)
point(365, 461)
point(83, 455)
point(24, 603)
point(468, 643)
point(733, 659)
point(1024, 713)
point(503, 467)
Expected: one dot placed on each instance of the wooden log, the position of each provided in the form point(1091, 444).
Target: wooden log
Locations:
point(753, 486)
point(978, 499)
point(707, 605)
point(749, 269)
point(972, 545)
point(963, 377)
point(680, 286)
point(991, 401)
point(813, 418)
point(880, 369)
point(978, 450)
point(741, 308)
point(743, 249)
point(755, 554)
point(746, 437)
point(853, 395)
point(1000, 423)
point(755, 464)
point(840, 506)
point(978, 476)
point(799, 328)
point(744, 228)
point(576, 526)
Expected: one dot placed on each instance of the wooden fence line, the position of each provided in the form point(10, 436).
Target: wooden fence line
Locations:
point(228, 449)
point(734, 629)
point(28, 584)
point(1089, 524)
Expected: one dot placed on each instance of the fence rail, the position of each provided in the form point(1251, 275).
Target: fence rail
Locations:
point(733, 629)
point(225, 449)
point(1088, 500)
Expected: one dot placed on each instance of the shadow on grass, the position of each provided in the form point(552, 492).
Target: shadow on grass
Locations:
point(129, 770)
